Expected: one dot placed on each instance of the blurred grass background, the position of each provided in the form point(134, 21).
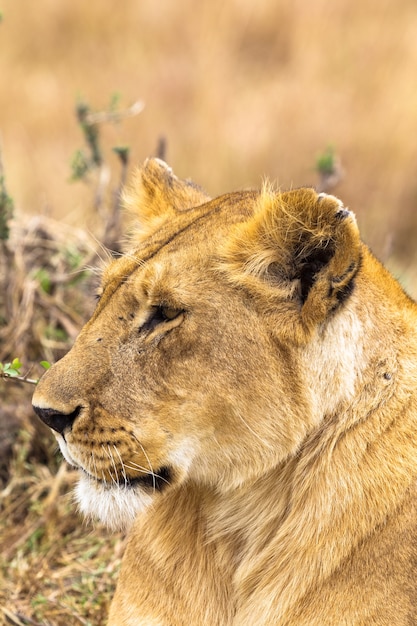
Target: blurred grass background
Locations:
point(239, 91)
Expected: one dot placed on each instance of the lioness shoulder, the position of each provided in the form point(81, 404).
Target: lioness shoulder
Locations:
point(244, 400)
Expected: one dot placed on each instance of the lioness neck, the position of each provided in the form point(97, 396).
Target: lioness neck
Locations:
point(329, 497)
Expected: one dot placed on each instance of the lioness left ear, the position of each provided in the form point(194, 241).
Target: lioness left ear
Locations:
point(301, 250)
point(156, 193)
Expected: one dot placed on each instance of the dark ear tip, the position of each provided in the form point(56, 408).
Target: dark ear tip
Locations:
point(342, 214)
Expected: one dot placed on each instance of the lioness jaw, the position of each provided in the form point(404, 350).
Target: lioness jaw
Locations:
point(244, 400)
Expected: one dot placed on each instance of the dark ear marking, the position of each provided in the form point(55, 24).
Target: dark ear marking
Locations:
point(352, 269)
point(311, 266)
point(344, 293)
point(327, 257)
point(342, 286)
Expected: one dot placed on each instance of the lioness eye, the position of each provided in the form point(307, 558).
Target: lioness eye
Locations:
point(160, 314)
point(169, 314)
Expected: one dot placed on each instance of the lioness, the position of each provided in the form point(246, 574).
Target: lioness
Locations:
point(245, 398)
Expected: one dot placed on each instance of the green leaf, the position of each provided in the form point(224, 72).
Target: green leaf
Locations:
point(45, 364)
point(11, 372)
point(16, 364)
point(325, 163)
point(11, 369)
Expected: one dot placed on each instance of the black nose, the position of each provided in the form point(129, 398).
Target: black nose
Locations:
point(56, 420)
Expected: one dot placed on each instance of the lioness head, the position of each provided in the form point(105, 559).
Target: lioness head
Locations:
point(204, 359)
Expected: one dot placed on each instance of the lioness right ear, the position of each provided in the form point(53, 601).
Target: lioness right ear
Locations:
point(300, 253)
point(156, 193)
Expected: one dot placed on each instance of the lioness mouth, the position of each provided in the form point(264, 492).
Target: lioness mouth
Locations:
point(156, 481)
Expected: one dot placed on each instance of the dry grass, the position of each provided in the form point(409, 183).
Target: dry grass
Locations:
point(240, 90)
point(54, 570)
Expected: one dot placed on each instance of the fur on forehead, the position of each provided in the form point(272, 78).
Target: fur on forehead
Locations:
point(156, 194)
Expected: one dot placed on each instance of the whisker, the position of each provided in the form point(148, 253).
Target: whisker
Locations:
point(100, 246)
point(148, 460)
point(91, 268)
point(89, 463)
point(94, 464)
point(134, 466)
point(109, 454)
point(121, 464)
point(126, 255)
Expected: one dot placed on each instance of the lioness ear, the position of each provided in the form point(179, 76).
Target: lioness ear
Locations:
point(301, 249)
point(156, 193)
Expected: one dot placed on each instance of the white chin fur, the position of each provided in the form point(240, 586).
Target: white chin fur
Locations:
point(116, 506)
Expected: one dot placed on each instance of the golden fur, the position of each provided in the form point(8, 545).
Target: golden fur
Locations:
point(245, 396)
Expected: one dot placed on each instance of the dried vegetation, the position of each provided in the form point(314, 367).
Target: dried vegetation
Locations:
point(53, 569)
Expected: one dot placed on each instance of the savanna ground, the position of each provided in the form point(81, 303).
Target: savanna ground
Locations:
point(239, 91)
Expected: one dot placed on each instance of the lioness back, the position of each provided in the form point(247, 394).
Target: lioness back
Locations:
point(243, 401)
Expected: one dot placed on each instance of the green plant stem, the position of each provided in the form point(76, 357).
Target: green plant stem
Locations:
point(22, 379)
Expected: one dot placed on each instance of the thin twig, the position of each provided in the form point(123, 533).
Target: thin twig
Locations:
point(20, 379)
point(115, 116)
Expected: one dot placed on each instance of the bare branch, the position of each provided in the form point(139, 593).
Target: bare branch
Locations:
point(115, 116)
